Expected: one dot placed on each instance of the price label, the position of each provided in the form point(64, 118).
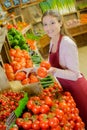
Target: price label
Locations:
point(16, 2)
point(25, 1)
point(7, 3)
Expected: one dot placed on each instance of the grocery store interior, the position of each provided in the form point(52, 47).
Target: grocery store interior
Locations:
point(31, 98)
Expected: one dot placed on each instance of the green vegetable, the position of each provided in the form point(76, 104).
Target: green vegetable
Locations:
point(47, 81)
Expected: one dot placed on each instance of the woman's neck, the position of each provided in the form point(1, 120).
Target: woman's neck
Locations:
point(55, 39)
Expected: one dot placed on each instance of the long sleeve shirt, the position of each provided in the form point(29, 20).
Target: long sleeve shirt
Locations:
point(68, 59)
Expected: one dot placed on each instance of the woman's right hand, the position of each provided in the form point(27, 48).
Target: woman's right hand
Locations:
point(52, 70)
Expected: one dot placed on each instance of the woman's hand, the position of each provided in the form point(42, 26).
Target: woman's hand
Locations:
point(52, 70)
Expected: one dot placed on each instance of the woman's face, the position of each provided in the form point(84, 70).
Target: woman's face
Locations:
point(51, 26)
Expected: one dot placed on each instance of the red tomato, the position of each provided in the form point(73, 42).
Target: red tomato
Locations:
point(16, 67)
point(10, 76)
point(25, 81)
point(36, 125)
point(57, 128)
point(19, 122)
point(48, 101)
point(14, 128)
point(9, 26)
point(30, 104)
point(20, 75)
point(59, 114)
point(45, 64)
point(44, 109)
point(33, 78)
point(12, 52)
point(42, 117)
point(27, 124)
point(8, 68)
point(53, 122)
point(44, 124)
point(77, 126)
point(26, 115)
point(42, 72)
point(36, 109)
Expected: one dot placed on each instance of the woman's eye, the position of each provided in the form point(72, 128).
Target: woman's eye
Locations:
point(44, 24)
point(53, 23)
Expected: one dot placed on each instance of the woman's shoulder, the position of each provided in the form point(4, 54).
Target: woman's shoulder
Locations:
point(68, 41)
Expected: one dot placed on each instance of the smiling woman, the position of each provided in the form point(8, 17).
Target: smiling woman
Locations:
point(64, 60)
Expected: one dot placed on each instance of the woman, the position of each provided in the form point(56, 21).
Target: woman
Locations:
point(63, 57)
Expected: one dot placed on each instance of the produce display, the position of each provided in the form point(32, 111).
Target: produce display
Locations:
point(16, 39)
point(9, 101)
point(51, 110)
point(63, 6)
point(83, 18)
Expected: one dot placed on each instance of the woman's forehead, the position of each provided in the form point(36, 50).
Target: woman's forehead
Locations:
point(49, 17)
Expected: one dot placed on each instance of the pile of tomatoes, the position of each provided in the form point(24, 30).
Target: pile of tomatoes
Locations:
point(52, 110)
point(8, 102)
point(21, 60)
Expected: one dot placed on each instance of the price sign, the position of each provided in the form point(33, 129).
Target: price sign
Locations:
point(7, 3)
point(25, 1)
point(16, 2)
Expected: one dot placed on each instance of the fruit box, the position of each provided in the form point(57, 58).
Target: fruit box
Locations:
point(16, 113)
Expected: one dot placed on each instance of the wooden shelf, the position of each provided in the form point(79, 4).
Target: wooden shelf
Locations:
point(78, 30)
point(26, 29)
point(31, 3)
point(21, 5)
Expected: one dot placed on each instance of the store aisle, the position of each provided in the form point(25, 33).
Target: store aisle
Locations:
point(83, 59)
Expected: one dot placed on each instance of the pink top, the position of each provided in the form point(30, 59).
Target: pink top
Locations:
point(67, 54)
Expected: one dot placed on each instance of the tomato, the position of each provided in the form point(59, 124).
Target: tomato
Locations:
point(8, 68)
point(48, 101)
point(44, 124)
point(63, 121)
point(17, 66)
point(59, 113)
point(27, 124)
point(2, 126)
point(10, 76)
point(45, 64)
point(14, 128)
point(26, 115)
point(57, 128)
point(33, 78)
point(42, 117)
point(19, 121)
point(36, 125)
point(44, 109)
point(53, 122)
point(9, 26)
point(20, 75)
point(30, 104)
point(36, 109)
point(77, 126)
point(25, 81)
point(29, 64)
point(12, 52)
point(42, 72)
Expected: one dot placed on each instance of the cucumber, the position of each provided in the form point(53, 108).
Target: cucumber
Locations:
point(47, 81)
